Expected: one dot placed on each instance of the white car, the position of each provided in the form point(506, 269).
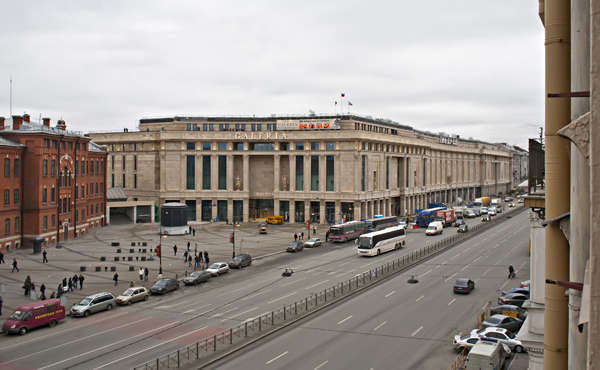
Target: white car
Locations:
point(218, 268)
point(313, 242)
point(492, 211)
point(468, 341)
point(402, 224)
point(501, 335)
point(484, 210)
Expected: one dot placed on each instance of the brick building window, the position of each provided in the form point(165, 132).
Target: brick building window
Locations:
point(53, 221)
point(44, 196)
point(17, 168)
point(16, 196)
point(6, 197)
point(17, 224)
point(7, 226)
point(52, 195)
point(45, 223)
point(6, 167)
point(45, 167)
point(52, 167)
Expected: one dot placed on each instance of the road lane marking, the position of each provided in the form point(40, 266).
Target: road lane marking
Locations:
point(452, 301)
point(278, 299)
point(363, 266)
point(503, 285)
point(421, 297)
point(476, 244)
point(318, 367)
point(254, 295)
point(223, 313)
point(232, 291)
point(458, 255)
point(342, 274)
point(466, 249)
point(451, 276)
point(347, 318)
point(380, 325)
point(484, 307)
point(239, 314)
point(295, 281)
point(476, 259)
point(173, 305)
point(462, 269)
point(334, 272)
point(497, 245)
point(281, 355)
point(426, 273)
point(486, 271)
point(390, 294)
point(416, 331)
point(312, 286)
point(485, 239)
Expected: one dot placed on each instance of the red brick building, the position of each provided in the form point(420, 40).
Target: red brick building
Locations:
point(54, 182)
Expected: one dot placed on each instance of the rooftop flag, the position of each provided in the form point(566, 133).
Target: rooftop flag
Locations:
point(343, 95)
point(350, 104)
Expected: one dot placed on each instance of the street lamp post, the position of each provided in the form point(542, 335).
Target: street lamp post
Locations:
point(161, 235)
point(234, 224)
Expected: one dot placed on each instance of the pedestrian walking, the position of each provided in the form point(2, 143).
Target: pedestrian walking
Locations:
point(193, 231)
point(2, 257)
point(141, 272)
point(60, 291)
point(302, 235)
point(206, 258)
point(70, 285)
point(43, 292)
point(190, 260)
point(190, 229)
point(511, 272)
point(81, 278)
point(196, 262)
point(196, 249)
point(327, 236)
point(185, 255)
point(175, 250)
point(27, 286)
point(45, 259)
point(295, 237)
point(1, 301)
point(188, 246)
point(146, 272)
point(64, 283)
point(14, 265)
point(116, 279)
point(314, 230)
point(75, 280)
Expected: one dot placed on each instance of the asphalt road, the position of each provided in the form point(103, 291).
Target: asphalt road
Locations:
point(128, 336)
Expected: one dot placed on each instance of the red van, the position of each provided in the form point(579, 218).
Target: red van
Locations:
point(32, 315)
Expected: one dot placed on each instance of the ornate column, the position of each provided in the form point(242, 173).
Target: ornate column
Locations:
point(246, 177)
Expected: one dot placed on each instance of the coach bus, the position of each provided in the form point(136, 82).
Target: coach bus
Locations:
point(427, 215)
point(346, 231)
point(377, 242)
point(381, 223)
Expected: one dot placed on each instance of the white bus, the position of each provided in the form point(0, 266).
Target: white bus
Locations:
point(377, 242)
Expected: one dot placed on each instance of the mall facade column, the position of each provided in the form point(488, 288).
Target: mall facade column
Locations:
point(276, 179)
point(557, 171)
point(246, 186)
point(198, 186)
point(307, 187)
point(230, 188)
point(292, 188)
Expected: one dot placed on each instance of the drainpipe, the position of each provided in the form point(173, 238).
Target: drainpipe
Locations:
point(556, 17)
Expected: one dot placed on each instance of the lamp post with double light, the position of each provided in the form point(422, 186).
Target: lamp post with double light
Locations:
point(234, 224)
point(159, 251)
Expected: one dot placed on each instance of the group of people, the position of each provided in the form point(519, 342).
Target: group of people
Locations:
point(299, 236)
point(197, 259)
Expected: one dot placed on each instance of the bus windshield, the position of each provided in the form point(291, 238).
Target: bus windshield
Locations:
point(336, 231)
point(365, 243)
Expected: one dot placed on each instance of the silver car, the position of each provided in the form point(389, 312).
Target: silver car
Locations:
point(501, 335)
point(197, 277)
point(94, 303)
point(218, 268)
point(312, 242)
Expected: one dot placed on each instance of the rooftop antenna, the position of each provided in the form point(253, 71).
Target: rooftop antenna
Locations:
point(11, 95)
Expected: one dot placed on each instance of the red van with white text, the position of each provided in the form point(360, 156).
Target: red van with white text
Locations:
point(32, 315)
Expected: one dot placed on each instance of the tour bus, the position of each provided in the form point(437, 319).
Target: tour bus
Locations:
point(377, 242)
point(346, 231)
point(381, 223)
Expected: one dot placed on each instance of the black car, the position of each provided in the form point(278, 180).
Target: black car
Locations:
point(516, 299)
point(295, 246)
point(197, 277)
point(464, 286)
point(241, 260)
point(459, 222)
point(463, 228)
point(509, 310)
point(163, 286)
point(520, 290)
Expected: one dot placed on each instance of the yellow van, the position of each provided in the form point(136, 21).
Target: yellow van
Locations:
point(275, 220)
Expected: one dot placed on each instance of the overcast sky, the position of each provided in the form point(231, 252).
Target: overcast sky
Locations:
point(468, 67)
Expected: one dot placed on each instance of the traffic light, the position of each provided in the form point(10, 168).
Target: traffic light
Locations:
point(158, 251)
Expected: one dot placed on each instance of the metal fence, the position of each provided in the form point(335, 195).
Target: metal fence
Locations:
point(266, 323)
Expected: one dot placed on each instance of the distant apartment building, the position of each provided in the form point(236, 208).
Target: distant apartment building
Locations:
point(54, 183)
point(306, 168)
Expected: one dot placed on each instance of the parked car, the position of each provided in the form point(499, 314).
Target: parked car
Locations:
point(513, 298)
point(502, 321)
point(463, 286)
point(485, 218)
point(132, 295)
point(519, 290)
point(94, 303)
point(295, 246)
point(468, 341)
point(463, 228)
point(525, 283)
point(509, 310)
point(164, 286)
point(502, 335)
point(312, 242)
point(241, 260)
point(197, 277)
point(459, 222)
point(218, 268)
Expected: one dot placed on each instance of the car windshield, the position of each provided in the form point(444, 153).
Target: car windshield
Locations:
point(127, 293)
point(510, 334)
point(194, 274)
point(16, 316)
point(494, 320)
point(84, 302)
point(311, 240)
point(237, 259)
point(215, 266)
point(293, 244)
point(461, 283)
point(161, 283)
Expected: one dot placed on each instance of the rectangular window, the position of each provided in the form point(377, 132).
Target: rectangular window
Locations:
point(17, 168)
point(269, 147)
point(6, 197)
point(45, 223)
point(101, 188)
point(76, 168)
point(238, 146)
point(190, 145)
point(52, 167)
point(83, 191)
point(46, 143)
point(70, 145)
point(54, 143)
point(16, 196)
point(222, 146)
point(7, 226)
point(299, 146)
point(17, 224)
point(123, 181)
point(97, 188)
point(222, 172)
point(122, 164)
point(314, 146)
point(52, 195)
point(83, 167)
point(112, 178)
point(134, 163)
point(299, 172)
point(330, 145)
point(205, 172)
point(82, 215)
point(387, 172)
point(206, 146)
point(53, 221)
point(112, 162)
point(362, 173)
point(191, 172)
point(45, 167)
point(204, 127)
point(285, 146)
point(329, 172)
point(134, 183)
point(314, 173)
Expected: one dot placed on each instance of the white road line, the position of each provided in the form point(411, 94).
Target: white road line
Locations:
point(239, 314)
point(484, 307)
point(451, 277)
point(486, 271)
point(223, 313)
point(458, 255)
point(232, 291)
point(466, 249)
point(363, 266)
point(475, 260)
point(342, 274)
point(452, 301)
point(261, 315)
point(426, 273)
point(380, 325)
point(318, 367)
point(347, 318)
point(334, 272)
point(281, 355)
point(462, 269)
point(485, 239)
point(476, 280)
point(312, 286)
point(254, 295)
point(416, 331)
point(421, 297)
point(503, 285)
point(389, 294)
point(173, 305)
point(295, 281)
point(476, 244)
point(342, 264)
point(524, 262)
point(278, 299)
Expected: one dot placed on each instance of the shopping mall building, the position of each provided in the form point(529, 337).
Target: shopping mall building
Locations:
point(306, 168)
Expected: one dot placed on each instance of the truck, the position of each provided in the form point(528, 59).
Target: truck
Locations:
point(482, 202)
point(459, 212)
point(496, 202)
point(447, 216)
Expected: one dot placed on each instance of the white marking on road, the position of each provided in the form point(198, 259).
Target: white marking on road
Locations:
point(239, 314)
point(458, 255)
point(281, 355)
point(486, 271)
point(466, 249)
point(476, 244)
point(426, 273)
point(312, 286)
point(295, 281)
point(503, 285)
point(494, 247)
point(524, 262)
point(476, 280)
point(389, 294)
point(416, 331)
point(261, 315)
point(318, 367)
point(421, 297)
point(451, 277)
point(173, 305)
point(317, 273)
point(223, 313)
point(485, 239)
point(370, 263)
point(342, 274)
point(380, 325)
point(334, 272)
point(475, 260)
point(485, 306)
point(233, 291)
point(452, 301)
point(254, 295)
point(278, 299)
point(347, 318)
point(345, 263)
point(462, 269)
